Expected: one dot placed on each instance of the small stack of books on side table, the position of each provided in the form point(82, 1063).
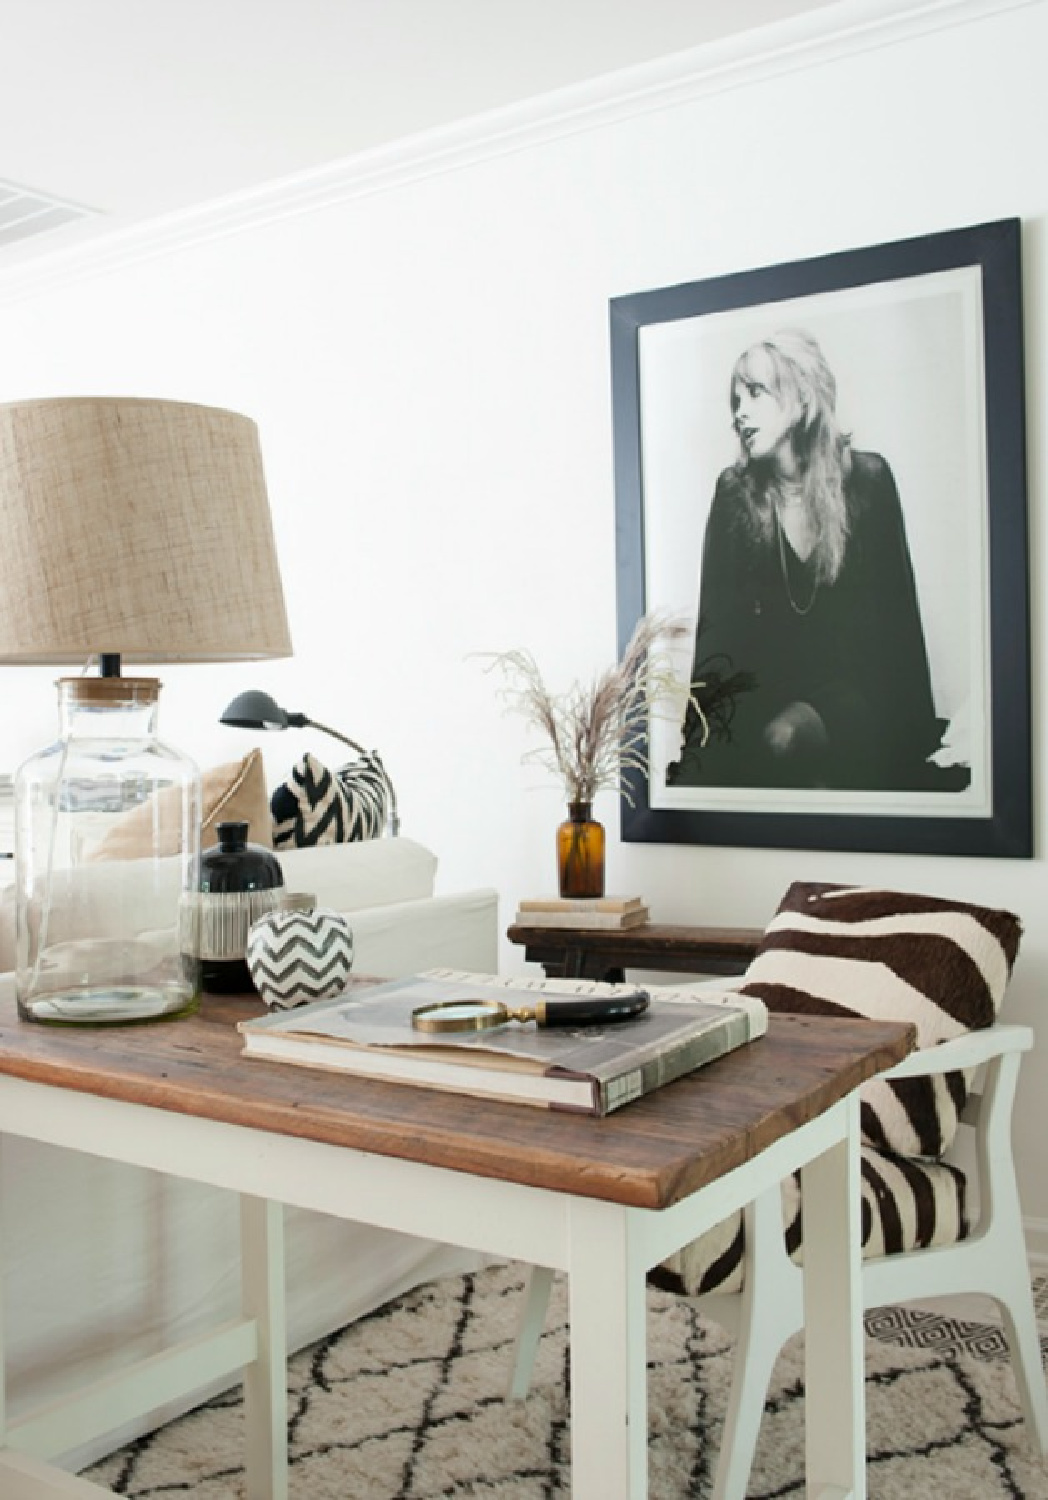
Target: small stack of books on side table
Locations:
point(589, 1070)
point(610, 913)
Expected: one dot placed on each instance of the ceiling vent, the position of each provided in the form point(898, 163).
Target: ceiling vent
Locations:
point(24, 213)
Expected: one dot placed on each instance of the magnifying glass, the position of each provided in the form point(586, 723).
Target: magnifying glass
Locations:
point(481, 1015)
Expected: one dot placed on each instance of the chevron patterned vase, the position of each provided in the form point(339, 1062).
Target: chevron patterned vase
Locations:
point(295, 956)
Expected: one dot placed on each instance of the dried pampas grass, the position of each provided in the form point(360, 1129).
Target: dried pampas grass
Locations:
point(596, 733)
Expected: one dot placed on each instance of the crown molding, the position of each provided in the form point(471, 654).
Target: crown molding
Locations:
point(812, 39)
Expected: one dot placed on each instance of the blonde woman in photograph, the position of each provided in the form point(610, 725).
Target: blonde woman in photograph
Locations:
point(808, 601)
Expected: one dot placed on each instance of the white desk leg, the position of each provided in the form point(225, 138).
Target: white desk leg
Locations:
point(265, 1381)
point(530, 1324)
point(609, 1412)
point(835, 1435)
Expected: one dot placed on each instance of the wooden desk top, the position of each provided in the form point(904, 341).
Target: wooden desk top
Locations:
point(649, 1154)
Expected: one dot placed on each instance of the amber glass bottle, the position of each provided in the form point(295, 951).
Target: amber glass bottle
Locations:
point(580, 852)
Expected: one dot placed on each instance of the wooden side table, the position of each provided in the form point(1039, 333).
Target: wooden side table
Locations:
point(602, 953)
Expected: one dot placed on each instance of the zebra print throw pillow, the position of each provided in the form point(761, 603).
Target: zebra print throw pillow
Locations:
point(889, 955)
point(316, 806)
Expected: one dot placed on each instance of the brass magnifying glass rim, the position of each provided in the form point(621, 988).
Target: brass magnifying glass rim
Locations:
point(486, 1013)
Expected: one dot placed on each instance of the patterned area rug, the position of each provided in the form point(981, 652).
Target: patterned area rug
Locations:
point(407, 1405)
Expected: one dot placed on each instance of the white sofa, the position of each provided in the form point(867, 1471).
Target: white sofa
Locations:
point(104, 1264)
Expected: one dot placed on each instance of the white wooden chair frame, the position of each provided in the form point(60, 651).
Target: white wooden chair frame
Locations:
point(769, 1309)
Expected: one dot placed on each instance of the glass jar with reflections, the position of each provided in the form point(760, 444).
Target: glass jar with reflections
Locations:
point(107, 843)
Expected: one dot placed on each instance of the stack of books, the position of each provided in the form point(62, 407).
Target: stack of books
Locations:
point(592, 1070)
point(607, 912)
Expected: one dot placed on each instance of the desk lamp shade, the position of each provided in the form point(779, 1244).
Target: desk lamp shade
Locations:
point(133, 530)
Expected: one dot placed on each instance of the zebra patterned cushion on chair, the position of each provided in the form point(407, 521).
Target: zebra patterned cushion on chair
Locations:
point(906, 1205)
point(889, 955)
point(316, 806)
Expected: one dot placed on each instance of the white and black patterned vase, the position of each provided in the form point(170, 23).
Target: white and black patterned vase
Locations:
point(239, 883)
point(295, 956)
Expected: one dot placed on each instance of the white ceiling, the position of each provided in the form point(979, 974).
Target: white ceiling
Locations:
point(142, 108)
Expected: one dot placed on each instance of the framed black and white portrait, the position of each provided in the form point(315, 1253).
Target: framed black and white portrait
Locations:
point(821, 467)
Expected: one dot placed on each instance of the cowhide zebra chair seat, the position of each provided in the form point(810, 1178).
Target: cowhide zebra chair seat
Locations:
point(906, 1205)
point(928, 1231)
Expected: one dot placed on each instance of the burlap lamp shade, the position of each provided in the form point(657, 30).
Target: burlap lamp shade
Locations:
point(135, 527)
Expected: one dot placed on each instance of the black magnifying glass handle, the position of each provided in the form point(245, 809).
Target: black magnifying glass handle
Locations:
point(592, 1010)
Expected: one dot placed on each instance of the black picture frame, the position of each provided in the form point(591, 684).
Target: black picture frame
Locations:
point(953, 299)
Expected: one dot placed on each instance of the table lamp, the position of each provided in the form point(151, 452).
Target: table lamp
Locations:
point(257, 710)
point(134, 530)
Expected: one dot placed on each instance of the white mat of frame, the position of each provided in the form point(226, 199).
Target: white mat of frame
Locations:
point(408, 1403)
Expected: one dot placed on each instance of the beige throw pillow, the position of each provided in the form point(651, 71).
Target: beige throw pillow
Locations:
point(235, 792)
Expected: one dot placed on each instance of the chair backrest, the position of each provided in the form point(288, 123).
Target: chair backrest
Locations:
point(891, 955)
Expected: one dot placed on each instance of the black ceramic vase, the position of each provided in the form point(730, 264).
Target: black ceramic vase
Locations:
point(239, 882)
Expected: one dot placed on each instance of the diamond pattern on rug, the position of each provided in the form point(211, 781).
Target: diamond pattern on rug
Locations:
point(920, 1328)
point(407, 1404)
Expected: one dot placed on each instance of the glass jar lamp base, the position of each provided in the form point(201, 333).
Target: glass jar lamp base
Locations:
point(107, 835)
point(112, 1005)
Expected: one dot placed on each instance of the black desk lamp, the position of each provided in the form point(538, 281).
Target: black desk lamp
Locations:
point(257, 710)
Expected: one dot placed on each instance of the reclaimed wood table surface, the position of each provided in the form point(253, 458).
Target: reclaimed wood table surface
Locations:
point(601, 1199)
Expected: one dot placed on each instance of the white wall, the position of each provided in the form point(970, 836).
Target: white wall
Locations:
point(428, 365)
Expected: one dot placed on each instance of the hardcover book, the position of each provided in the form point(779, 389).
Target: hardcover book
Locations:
point(592, 1070)
point(607, 921)
point(583, 905)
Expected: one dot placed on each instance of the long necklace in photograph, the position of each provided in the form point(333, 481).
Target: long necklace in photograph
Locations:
point(798, 609)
